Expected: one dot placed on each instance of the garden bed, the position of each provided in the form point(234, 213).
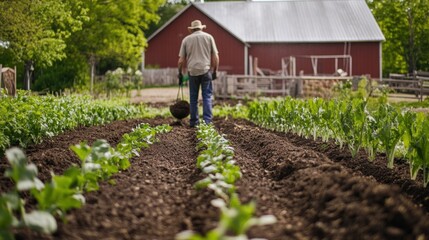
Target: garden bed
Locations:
point(315, 189)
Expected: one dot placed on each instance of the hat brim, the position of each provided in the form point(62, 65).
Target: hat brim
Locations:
point(198, 27)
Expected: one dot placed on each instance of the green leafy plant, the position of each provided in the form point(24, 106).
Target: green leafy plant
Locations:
point(64, 192)
point(388, 131)
point(421, 146)
point(28, 119)
point(236, 219)
point(59, 196)
point(12, 206)
point(216, 159)
point(416, 140)
point(354, 120)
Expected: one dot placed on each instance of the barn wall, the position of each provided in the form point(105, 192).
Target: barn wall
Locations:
point(365, 56)
point(163, 48)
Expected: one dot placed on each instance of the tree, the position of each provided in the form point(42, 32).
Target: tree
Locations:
point(115, 30)
point(405, 24)
point(34, 31)
point(165, 13)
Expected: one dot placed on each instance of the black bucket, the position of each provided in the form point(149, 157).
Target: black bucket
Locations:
point(180, 109)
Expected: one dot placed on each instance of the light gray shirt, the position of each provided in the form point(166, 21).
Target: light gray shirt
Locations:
point(198, 49)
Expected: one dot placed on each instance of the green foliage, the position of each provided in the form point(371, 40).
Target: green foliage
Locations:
point(101, 161)
point(236, 219)
point(27, 119)
point(237, 111)
point(216, 160)
point(55, 36)
point(37, 30)
point(352, 121)
point(59, 196)
point(113, 80)
point(165, 13)
point(12, 207)
point(405, 25)
point(119, 83)
point(388, 130)
point(22, 173)
point(63, 193)
point(416, 140)
point(68, 73)
point(115, 29)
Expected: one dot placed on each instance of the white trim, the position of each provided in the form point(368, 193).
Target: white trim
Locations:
point(381, 60)
point(246, 59)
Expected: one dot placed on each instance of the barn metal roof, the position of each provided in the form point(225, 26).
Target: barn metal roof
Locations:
point(295, 20)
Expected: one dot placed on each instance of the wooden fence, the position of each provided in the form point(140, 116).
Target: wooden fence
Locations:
point(160, 77)
point(243, 86)
point(416, 86)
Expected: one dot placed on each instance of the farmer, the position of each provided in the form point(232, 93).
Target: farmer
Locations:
point(199, 51)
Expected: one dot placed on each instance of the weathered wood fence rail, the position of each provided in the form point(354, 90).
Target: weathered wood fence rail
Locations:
point(417, 86)
point(160, 77)
point(242, 86)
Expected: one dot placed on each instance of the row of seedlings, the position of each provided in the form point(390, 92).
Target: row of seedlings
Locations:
point(216, 160)
point(65, 192)
point(355, 124)
point(28, 119)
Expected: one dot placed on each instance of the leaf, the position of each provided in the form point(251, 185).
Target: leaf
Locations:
point(40, 221)
point(203, 183)
point(210, 169)
point(27, 184)
point(16, 156)
point(219, 203)
point(6, 216)
point(90, 167)
point(266, 220)
point(12, 200)
point(82, 151)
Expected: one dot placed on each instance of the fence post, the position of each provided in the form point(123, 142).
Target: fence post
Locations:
point(283, 87)
point(15, 93)
point(421, 89)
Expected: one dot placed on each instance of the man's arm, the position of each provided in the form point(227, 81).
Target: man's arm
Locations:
point(215, 65)
point(180, 64)
point(215, 62)
point(180, 68)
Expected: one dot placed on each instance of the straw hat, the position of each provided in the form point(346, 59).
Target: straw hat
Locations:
point(196, 24)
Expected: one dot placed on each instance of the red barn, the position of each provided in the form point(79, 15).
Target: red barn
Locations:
point(322, 35)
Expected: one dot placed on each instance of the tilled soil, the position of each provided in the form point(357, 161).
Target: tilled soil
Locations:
point(315, 189)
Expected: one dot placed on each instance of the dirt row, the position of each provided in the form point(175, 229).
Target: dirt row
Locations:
point(312, 188)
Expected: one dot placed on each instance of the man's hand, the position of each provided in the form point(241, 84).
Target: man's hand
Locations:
point(180, 76)
point(214, 75)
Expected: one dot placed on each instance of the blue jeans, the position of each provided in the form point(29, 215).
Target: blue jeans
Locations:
point(205, 81)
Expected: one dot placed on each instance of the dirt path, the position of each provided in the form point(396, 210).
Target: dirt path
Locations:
point(157, 95)
point(310, 188)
